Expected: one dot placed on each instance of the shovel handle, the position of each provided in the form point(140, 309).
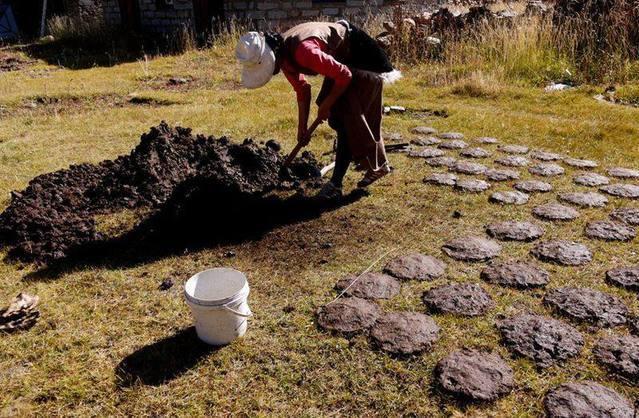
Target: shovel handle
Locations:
point(299, 146)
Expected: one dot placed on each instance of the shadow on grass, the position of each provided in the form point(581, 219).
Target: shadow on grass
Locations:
point(193, 220)
point(163, 361)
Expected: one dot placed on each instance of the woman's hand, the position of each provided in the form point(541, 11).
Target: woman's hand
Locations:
point(324, 111)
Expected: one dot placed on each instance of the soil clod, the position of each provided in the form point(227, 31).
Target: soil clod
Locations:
point(455, 136)
point(509, 197)
point(547, 170)
point(471, 248)
point(610, 231)
point(369, 286)
point(516, 274)
point(513, 161)
point(441, 179)
point(495, 174)
point(626, 215)
point(405, 333)
point(424, 141)
point(591, 180)
point(21, 314)
point(623, 173)
point(475, 153)
point(555, 212)
point(513, 149)
point(474, 375)
point(628, 191)
point(487, 140)
point(567, 253)
point(578, 163)
point(515, 231)
point(348, 315)
point(586, 200)
point(415, 266)
point(620, 354)
point(444, 161)
point(626, 277)
point(426, 153)
point(533, 186)
point(468, 167)
point(453, 144)
point(465, 299)
point(424, 130)
point(472, 185)
point(586, 399)
point(544, 340)
point(545, 156)
point(588, 305)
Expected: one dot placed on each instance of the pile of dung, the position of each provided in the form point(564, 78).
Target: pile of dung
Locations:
point(55, 213)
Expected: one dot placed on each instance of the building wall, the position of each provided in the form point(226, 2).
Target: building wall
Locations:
point(284, 13)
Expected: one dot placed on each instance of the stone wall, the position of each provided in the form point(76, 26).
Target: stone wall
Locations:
point(283, 13)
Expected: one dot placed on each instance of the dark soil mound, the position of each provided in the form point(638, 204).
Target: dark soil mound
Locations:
point(586, 399)
point(585, 304)
point(369, 286)
point(348, 315)
point(464, 299)
point(473, 375)
point(544, 340)
point(55, 213)
point(405, 332)
point(619, 354)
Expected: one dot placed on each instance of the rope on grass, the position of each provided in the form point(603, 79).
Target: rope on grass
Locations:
point(369, 268)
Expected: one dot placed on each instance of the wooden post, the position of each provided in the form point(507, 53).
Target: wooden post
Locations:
point(43, 22)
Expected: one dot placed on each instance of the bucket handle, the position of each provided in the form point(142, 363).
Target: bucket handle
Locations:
point(233, 311)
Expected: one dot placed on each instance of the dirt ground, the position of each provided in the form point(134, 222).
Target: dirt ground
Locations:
point(110, 341)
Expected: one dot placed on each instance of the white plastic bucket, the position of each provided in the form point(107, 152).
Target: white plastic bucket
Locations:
point(218, 300)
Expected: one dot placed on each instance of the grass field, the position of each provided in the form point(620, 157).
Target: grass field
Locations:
point(109, 343)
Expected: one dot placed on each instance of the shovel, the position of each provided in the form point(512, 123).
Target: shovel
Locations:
point(299, 145)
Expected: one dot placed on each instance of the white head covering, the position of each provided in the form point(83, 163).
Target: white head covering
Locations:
point(257, 59)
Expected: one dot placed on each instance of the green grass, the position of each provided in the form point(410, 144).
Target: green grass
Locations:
point(94, 317)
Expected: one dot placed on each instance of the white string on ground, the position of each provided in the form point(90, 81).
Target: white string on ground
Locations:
point(369, 268)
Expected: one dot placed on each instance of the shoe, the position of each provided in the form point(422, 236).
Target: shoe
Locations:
point(329, 191)
point(372, 176)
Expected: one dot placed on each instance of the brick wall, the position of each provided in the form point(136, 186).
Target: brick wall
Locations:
point(285, 13)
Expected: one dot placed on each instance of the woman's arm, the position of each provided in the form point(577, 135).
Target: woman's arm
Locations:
point(303, 92)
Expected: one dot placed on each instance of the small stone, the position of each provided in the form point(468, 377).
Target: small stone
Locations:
point(627, 215)
point(516, 274)
point(567, 253)
point(547, 170)
point(620, 354)
point(610, 231)
point(441, 161)
point(425, 141)
point(515, 231)
point(495, 174)
point(405, 332)
point(587, 200)
point(472, 185)
point(555, 212)
point(544, 340)
point(545, 156)
point(475, 153)
point(574, 162)
point(415, 266)
point(629, 191)
point(509, 197)
point(586, 399)
point(624, 173)
point(471, 248)
point(513, 161)
point(441, 179)
point(451, 135)
point(348, 315)
point(487, 140)
point(468, 167)
point(533, 186)
point(369, 286)
point(474, 375)
point(424, 130)
point(588, 305)
point(454, 144)
point(464, 299)
point(591, 180)
point(426, 153)
point(166, 284)
point(513, 149)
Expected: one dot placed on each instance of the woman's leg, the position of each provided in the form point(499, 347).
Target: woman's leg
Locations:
point(342, 158)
